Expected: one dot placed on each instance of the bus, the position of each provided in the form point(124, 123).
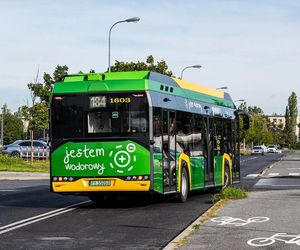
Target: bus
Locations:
point(141, 131)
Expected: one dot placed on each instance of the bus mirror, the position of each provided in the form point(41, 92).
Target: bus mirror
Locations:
point(246, 123)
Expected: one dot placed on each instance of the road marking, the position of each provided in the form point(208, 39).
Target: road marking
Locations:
point(10, 190)
point(250, 159)
point(251, 176)
point(293, 168)
point(294, 174)
point(31, 220)
point(266, 241)
point(227, 220)
point(273, 174)
point(285, 185)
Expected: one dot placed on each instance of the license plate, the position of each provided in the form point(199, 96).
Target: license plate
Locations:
point(100, 183)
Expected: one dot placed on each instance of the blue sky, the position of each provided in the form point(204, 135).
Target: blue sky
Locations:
point(250, 46)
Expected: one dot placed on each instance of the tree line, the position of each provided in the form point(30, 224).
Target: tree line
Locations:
point(261, 131)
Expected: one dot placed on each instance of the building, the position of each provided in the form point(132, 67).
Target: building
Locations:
point(279, 120)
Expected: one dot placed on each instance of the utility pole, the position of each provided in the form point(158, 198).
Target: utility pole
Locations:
point(2, 123)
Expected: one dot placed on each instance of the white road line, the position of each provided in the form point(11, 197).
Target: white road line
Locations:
point(31, 220)
point(294, 174)
point(249, 159)
point(293, 168)
point(273, 174)
point(251, 176)
point(285, 185)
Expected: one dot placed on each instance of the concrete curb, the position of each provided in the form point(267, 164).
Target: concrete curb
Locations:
point(4, 175)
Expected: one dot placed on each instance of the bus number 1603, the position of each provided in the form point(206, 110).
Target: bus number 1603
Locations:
point(120, 100)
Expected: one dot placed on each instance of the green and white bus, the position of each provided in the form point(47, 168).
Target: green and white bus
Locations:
point(141, 132)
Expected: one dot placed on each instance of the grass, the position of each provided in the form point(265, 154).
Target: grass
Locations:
point(230, 193)
point(8, 163)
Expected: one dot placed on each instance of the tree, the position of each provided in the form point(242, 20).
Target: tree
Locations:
point(43, 90)
point(291, 113)
point(12, 126)
point(160, 67)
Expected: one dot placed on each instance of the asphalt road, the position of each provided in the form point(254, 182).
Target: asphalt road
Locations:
point(33, 218)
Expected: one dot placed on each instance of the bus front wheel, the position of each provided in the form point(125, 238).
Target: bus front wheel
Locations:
point(184, 186)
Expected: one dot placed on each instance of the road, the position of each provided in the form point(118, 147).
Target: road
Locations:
point(33, 218)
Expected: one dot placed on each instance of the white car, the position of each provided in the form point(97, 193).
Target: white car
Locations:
point(257, 150)
point(272, 149)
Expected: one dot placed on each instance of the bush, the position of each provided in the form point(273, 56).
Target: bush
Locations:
point(233, 193)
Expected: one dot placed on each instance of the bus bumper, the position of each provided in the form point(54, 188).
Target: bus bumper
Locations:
point(83, 185)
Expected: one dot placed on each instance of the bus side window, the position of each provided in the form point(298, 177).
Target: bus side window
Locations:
point(198, 140)
point(184, 132)
point(157, 129)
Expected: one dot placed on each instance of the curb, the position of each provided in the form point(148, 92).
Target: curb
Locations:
point(4, 175)
point(179, 239)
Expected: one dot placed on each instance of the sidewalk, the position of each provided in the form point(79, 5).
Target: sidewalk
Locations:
point(4, 175)
point(265, 220)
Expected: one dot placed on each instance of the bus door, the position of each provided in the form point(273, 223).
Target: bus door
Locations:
point(209, 152)
point(169, 151)
point(236, 151)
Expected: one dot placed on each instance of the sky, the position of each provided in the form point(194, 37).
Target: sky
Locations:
point(252, 47)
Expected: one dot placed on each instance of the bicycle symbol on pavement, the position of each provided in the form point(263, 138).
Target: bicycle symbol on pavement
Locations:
point(288, 239)
point(122, 159)
point(227, 220)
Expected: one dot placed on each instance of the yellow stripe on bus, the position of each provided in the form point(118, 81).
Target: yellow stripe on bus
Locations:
point(82, 185)
point(199, 88)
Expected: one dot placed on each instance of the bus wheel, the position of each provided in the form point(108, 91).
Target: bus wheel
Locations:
point(227, 181)
point(184, 186)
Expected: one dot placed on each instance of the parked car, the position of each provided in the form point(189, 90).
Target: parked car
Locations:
point(23, 148)
point(272, 149)
point(257, 150)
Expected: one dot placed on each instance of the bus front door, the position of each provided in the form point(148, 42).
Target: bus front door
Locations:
point(209, 152)
point(169, 151)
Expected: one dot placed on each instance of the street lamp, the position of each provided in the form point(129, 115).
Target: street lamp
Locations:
point(193, 66)
point(129, 20)
point(239, 100)
point(2, 121)
point(225, 87)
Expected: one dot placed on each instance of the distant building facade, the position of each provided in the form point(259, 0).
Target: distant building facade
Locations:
point(279, 120)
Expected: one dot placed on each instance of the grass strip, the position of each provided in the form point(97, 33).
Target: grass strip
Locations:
point(12, 164)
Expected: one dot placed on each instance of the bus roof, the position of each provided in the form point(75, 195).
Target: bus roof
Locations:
point(141, 81)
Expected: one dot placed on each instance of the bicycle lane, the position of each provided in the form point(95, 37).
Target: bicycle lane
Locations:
point(265, 220)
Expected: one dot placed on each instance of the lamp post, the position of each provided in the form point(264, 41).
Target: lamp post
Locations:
point(239, 100)
point(224, 87)
point(2, 122)
point(129, 20)
point(193, 66)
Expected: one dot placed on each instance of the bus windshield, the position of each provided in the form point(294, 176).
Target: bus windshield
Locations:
point(99, 115)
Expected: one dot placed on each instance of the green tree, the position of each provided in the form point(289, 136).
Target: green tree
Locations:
point(291, 113)
point(12, 126)
point(160, 66)
point(43, 90)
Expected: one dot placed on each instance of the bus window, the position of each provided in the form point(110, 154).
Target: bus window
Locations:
point(198, 140)
point(121, 114)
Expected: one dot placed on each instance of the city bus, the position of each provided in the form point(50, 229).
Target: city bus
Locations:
point(119, 132)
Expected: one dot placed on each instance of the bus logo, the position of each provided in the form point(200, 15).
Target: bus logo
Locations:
point(122, 158)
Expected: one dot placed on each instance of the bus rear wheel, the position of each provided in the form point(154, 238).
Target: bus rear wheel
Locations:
point(184, 186)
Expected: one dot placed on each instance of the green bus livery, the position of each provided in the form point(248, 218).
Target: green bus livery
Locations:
point(141, 131)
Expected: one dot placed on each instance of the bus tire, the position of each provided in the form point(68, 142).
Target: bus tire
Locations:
point(184, 186)
point(227, 180)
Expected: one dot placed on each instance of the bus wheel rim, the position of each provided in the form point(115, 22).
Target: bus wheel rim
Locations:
point(184, 185)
